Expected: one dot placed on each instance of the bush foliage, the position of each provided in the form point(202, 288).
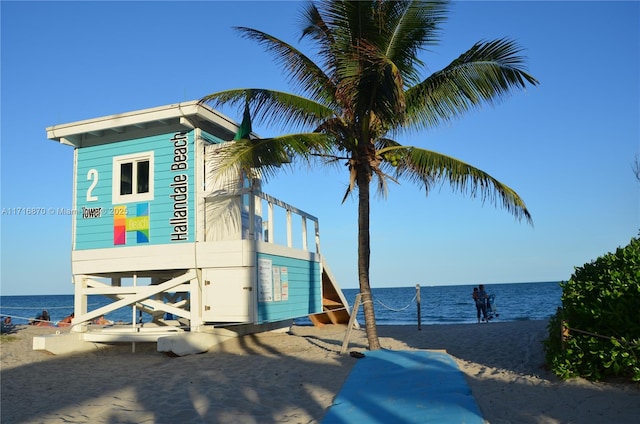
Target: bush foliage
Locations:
point(601, 308)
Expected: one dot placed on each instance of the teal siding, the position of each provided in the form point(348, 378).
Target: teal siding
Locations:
point(305, 290)
point(98, 232)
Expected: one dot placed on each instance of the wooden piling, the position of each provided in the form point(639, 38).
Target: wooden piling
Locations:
point(418, 304)
point(564, 333)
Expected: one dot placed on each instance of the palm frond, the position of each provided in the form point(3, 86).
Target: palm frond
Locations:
point(374, 48)
point(407, 28)
point(315, 27)
point(486, 73)
point(269, 155)
point(275, 107)
point(383, 178)
point(302, 71)
point(352, 180)
point(428, 168)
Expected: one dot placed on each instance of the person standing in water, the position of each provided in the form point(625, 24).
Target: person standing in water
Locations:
point(480, 304)
point(484, 297)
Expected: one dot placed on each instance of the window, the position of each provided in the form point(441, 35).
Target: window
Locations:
point(133, 178)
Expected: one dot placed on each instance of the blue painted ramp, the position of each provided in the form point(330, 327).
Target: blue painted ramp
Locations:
point(409, 386)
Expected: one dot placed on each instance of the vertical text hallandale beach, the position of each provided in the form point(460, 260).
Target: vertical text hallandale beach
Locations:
point(180, 186)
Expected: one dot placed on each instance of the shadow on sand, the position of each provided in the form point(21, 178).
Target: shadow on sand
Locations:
point(294, 378)
point(249, 380)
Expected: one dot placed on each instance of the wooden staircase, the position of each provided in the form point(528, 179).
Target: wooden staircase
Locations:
point(335, 308)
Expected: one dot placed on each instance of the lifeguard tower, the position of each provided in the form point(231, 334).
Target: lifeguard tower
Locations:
point(155, 230)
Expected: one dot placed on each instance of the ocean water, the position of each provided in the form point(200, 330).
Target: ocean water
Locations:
point(454, 304)
point(23, 308)
point(393, 306)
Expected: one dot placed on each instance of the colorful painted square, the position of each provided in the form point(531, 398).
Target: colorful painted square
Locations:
point(120, 225)
point(138, 224)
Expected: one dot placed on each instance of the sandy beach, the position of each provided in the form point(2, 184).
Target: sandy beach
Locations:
point(291, 378)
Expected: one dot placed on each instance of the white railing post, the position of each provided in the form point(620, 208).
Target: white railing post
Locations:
point(304, 234)
point(270, 222)
point(289, 229)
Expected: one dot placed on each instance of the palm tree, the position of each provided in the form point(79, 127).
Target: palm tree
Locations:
point(367, 88)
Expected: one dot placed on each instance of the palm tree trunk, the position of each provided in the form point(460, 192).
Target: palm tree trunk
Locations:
point(364, 254)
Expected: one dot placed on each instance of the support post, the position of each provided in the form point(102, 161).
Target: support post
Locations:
point(80, 303)
point(352, 318)
point(134, 320)
point(195, 300)
point(418, 304)
point(564, 333)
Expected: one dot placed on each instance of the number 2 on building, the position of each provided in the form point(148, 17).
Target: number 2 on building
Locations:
point(92, 176)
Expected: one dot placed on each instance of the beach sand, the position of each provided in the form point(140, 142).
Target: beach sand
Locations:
point(291, 378)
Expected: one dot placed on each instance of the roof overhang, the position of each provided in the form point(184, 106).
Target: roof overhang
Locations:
point(145, 122)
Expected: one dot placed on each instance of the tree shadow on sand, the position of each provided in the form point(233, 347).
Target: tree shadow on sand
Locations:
point(250, 379)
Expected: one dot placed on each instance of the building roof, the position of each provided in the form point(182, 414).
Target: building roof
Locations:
point(145, 122)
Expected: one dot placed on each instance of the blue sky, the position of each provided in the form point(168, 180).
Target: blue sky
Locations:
point(566, 146)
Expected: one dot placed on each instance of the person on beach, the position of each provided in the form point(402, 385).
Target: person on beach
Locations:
point(484, 297)
point(7, 326)
point(480, 297)
point(66, 321)
point(101, 320)
point(42, 320)
point(476, 299)
point(491, 307)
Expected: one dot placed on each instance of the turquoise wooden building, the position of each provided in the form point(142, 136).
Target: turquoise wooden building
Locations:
point(157, 231)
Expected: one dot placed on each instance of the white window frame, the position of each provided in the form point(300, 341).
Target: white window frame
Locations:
point(116, 179)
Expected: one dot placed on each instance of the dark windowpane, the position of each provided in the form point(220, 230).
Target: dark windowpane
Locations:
point(126, 178)
point(143, 177)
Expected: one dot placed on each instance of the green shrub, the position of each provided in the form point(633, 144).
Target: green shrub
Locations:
point(601, 307)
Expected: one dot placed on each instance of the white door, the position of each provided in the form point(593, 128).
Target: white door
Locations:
point(228, 295)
